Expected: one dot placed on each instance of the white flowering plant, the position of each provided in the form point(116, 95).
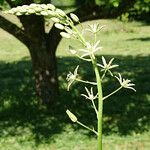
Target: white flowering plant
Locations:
point(87, 53)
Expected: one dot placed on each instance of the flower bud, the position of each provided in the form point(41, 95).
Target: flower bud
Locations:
point(52, 13)
point(31, 11)
point(33, 5)
point(18, 14)
point(71, 116)
point(60, 12)
point(50, 6)
point(55, 19)
point(74, 17)
point(44, 13)
point(65, 35)
point(68, 30)
point(59, 26)
point(22, 10)
point(38, 9)
point(44, 6)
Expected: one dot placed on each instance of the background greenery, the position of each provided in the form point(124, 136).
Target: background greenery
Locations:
point(26, 125)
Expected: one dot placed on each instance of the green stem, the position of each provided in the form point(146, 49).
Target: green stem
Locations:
point(99, 88)
point(83, 58)
point(88, 82)
point(112, 93)
point(87, 127)
point(100, 103)
point(104, 74)
point(95, 108)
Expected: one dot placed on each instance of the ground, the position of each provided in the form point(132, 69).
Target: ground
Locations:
point(28, 126)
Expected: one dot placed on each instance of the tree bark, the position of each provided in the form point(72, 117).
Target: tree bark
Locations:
point(42, 49)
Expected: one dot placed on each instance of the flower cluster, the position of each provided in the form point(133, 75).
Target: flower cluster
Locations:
point(58, 16)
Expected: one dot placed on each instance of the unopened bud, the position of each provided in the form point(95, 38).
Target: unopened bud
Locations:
point(50, 6)
point(31, 11)
point(74, 17)
point(44, 13)
point(18, 14)
point(55, 19)
point(71, 116)
point(68, 30)
point(65, 35)
point(60, 12)
point(59, 26)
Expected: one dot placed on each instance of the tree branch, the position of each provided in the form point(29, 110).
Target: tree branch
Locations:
point(13, 29)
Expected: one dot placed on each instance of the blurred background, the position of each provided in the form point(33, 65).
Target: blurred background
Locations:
point(27, 124)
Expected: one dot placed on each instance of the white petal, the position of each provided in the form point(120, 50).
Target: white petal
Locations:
point(104, 61)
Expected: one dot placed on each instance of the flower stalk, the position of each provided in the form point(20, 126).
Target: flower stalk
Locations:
point(100, 103)
point(69, 30)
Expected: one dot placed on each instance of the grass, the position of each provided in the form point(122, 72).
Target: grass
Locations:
point(26, 125)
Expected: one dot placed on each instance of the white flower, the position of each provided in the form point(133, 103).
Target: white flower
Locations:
point(126, 83)
point(90, 95)
point(71, 77)
point(90, 49)
point(74, 17)
point(107, 67)
point(94, 28)
point(71, 116)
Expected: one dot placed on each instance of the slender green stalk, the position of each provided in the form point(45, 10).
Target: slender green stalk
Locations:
point(100, 103)
point(87, 127)
point(103, 74)
point(112, 93)
point(100, 94)
point(95, 108)
point(88, 82)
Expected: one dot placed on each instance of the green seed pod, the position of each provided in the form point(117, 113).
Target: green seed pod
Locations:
point(71, 116)
point(74, 17)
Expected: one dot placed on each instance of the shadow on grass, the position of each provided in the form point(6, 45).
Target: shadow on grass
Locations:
point(124, 113)
point(145, 39)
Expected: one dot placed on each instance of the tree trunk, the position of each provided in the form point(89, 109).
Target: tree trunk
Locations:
point(43, 57)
